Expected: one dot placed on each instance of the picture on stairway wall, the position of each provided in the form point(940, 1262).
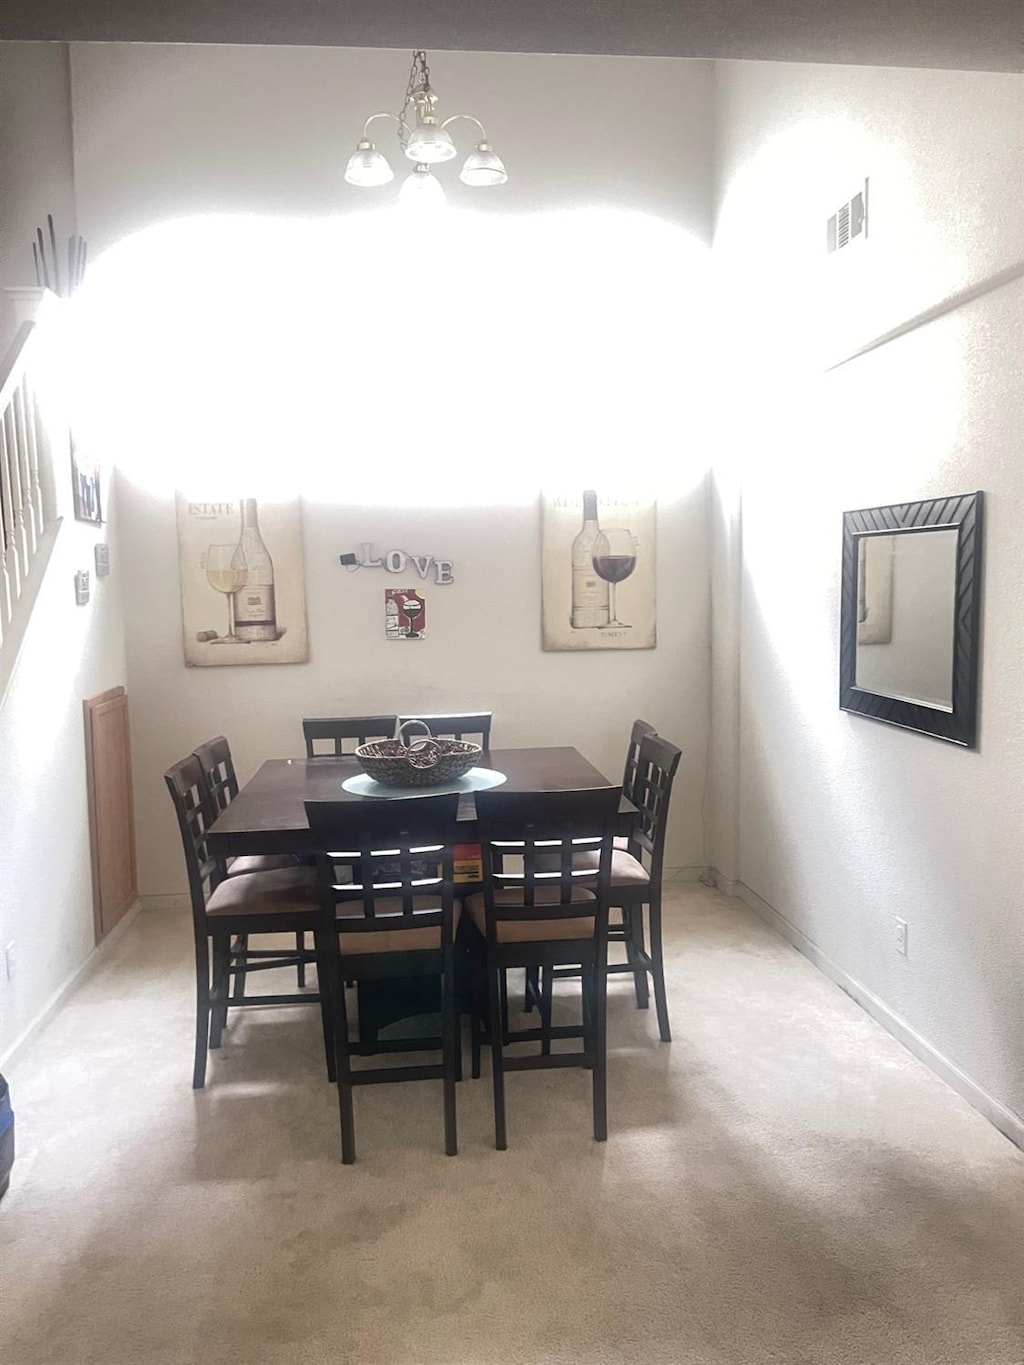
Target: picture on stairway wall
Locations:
point(598, 554)
point(243, 595)
point(86, 487)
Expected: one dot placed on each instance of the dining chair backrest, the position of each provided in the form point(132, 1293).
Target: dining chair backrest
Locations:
point(218, 770)
point(536, 829)
point(657, 764)
point(326, 736)
point(196, 812)
point(467, 725)
point(400, 850)
point(641, 731)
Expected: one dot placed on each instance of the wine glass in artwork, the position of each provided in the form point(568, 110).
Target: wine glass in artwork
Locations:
point(412, 606)
point(225, 572)
point(614, 559)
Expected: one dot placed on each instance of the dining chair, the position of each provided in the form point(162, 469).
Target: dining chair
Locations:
point(227, 910)
point(529, 917)
point(636, 875)
point(333, 731)
point(222, 784)
point(389, 922)
point(641, 730)
point(456, 725)
point(617, 933)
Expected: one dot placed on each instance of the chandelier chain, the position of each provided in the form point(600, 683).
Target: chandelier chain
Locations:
point(419, 84)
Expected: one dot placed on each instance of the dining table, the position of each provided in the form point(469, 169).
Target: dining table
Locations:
point(269, 815)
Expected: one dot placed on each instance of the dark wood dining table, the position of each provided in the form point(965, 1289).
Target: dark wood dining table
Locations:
point(268, 815)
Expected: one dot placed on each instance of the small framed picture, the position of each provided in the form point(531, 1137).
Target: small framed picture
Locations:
point(405, 614)
point(85, 482)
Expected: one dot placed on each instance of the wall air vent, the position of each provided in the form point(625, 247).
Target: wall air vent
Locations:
point(849, 221)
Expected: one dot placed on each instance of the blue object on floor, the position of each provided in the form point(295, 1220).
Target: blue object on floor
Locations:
point(6, 1137)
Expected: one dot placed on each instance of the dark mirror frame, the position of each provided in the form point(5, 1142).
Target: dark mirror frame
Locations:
point(964, 515)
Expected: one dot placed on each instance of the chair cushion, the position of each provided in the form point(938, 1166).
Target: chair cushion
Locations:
point(627, 871)
point(409, 940)
point(266, 893)
point(533, 930)
point(259, 862)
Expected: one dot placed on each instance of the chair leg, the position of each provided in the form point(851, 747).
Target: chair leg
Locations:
point(238, 994)
point(346, 1112)
point(325, 981)
point(547, 982)
point(221, 980)
point(503, 977)
point(478, 1000)
point(633, 918)
point(531, 988)
point(202, 1011)
point(495, 978)
point(300, 969)
point(452, 1041)
point(658, 966)
point(599, 1033)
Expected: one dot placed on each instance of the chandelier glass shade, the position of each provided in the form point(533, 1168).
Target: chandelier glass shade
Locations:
point(421, 189)
point(430, 143)
point(366, 166)
point(483, 167)
point(426, 142)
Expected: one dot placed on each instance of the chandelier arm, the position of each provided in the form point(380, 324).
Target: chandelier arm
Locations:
point(453, 117)
point(382, 114)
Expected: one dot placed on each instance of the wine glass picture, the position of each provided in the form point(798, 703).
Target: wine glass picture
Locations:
point(412, 606)
point(590, 547)
point(249, 550)
point(614, 559)
point(225, 572)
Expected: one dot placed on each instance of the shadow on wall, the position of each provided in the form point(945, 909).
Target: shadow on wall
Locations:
point(446, 357)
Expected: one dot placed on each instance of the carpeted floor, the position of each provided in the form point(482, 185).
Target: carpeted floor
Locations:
point(783, 1183)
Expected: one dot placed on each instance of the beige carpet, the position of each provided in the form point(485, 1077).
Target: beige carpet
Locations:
point(783, 1183)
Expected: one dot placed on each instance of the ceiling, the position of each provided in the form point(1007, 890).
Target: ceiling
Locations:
point(967, 34)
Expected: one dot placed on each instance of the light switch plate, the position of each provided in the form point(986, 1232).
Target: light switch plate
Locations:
point(102, 559)
point(82, 587)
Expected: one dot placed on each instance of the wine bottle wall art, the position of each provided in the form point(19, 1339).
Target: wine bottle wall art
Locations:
point(598, 571)
point(243, 595)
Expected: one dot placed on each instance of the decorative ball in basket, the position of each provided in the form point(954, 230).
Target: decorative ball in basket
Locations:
point(424, 762)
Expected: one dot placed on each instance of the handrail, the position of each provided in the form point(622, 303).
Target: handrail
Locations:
point(15, 363)
point(28, 514)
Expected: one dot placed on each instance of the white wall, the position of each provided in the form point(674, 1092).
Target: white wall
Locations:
point(68, 653)
point(36, 172)
point(564, 313)
point(844, 824)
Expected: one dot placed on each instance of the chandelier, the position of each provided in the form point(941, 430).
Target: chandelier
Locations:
point(426, 144)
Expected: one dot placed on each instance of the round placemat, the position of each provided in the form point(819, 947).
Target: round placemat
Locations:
point(476, 780)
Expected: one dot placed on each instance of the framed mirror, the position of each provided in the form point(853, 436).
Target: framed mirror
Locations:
point(911, 603)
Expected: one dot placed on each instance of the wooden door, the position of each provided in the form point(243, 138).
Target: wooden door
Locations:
point(108, 765)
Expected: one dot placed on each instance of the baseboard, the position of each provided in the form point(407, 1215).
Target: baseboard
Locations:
point(682, 874)
point(178, 900)
point(1011, 1125)
point(729, 886)
point(63, 993)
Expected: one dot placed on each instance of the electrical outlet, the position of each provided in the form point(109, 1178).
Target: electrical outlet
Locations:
point(10, 962)
point(901, 936)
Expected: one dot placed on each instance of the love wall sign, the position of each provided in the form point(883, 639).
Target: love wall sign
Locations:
point(398, 562)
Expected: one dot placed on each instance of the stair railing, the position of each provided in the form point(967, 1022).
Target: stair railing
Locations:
point(28, 514)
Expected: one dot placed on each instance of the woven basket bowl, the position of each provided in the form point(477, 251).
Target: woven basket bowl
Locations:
point(389, 761)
